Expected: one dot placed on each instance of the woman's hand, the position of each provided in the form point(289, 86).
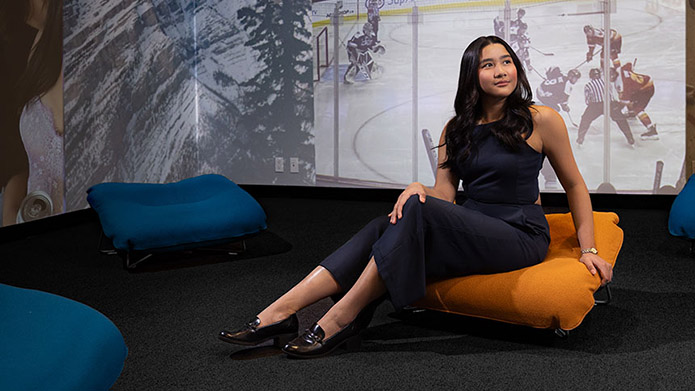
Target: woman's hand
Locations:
point(413, 188)
point(595, 263)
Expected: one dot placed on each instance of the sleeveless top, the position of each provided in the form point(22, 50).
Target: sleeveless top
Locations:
point(44, 148)
point(503, 183)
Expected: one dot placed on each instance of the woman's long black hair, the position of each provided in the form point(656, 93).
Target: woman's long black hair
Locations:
point(510, 130)
point(46, 59)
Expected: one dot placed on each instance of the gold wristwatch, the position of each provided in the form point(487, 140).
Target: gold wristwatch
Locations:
point(589, 250)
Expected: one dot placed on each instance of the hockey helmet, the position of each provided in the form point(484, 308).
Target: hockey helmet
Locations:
point(588, 30)
point(595, 73)
point(573, 75)
point(367, 28)
point(553, 72)
point(520, 13)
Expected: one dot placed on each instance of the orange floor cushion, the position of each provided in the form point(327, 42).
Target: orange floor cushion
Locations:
point(557, 293)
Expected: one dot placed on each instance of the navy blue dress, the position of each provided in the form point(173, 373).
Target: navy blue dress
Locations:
point(497, 228)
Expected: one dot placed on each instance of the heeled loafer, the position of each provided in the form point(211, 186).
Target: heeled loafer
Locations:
point(312, 344)
point(281, 332)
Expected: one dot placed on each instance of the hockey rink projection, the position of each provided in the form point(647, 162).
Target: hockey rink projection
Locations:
point(376, 114)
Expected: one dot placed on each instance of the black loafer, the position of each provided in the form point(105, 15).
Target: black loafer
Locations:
point(281, 332)
point(311, 344)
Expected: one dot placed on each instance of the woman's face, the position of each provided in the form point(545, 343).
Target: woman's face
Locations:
point(496, 71)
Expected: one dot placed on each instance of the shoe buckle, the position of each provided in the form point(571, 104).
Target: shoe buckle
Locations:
point(314, 335)
point(312, 338)
point(253, 324)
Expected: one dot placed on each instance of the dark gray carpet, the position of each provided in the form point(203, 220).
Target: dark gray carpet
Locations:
point(170, 312)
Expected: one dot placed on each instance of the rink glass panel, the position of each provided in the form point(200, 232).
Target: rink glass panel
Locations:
point(376, 115)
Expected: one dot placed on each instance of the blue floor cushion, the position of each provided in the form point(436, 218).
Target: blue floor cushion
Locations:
point(681, 220)
point(48, 342)
point(206, 209)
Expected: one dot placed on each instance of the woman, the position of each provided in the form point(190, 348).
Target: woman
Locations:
point(495, 145)
point(39, 102)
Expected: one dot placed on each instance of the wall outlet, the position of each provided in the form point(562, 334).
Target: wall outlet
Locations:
point(294, 164)
point(279, 164)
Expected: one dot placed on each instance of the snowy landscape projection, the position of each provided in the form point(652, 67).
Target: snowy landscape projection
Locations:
point(375, 118)
point(161, 90)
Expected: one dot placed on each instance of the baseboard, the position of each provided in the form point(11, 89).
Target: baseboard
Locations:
point(600, 201)
point(51, 223)
point(552, 201)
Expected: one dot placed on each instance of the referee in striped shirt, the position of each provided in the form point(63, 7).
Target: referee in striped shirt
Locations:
point(593, 97)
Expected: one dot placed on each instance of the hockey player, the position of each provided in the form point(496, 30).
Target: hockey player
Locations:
point(498, 26)
point(555, 90)
point(593, 96)
point(635, 90)
point(518, 37)
point(514, 25)
point(520, 43)
point(520, 13)
point(360, 43)
point(594, 36)
point(373, 17)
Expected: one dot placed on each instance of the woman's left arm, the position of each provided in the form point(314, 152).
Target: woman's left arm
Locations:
point(556, 145)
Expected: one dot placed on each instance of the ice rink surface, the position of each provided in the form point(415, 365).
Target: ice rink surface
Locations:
point(376, 116)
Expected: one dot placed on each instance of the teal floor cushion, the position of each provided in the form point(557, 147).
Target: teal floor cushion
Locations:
point(48, 342)
point(681, 219)
point(199, 211)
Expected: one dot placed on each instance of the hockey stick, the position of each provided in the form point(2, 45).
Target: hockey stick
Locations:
point(657, 176)
point(431, 150)
point(580, 64)
point(581, 13)
point(571, 121)
point(543, 53)
point(585, 61)
point(539, 74)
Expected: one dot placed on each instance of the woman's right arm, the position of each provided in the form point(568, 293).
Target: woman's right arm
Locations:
point(445, 185)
